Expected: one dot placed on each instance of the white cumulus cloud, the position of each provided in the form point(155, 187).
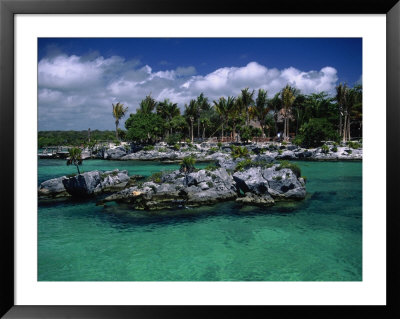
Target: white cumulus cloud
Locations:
point(77, 92)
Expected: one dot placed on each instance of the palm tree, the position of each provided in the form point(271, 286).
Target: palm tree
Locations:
point(147, 105)
point(341, 99)
point(275, 104)
point(187, 166)
point(353, 101)
point(288, 96)
point(202, 106)
point(261, 108)
point(356, 109)
point(118, 113)
point(235, 114)
point(223, 107)
point(247, 99)
point(168, 110)
point(75, 158)
point(190, 114)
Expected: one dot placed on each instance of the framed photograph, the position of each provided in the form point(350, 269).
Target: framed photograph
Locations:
point(163, 159)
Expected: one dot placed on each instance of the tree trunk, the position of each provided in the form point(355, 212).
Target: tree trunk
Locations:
point(284, 127)
point(344, 128)
point(198, 127)
point(77, 167)
point(348, 129)
point(222, 131)
point(191, 124)
point(204, 131)
point(288, 128)
point(340, 122)
point(116, 130)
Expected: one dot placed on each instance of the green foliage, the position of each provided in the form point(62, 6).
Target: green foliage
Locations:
point(317, 130)
point(243, 165)
point(210, 184)
point(173, 139)
point(75, 157)
point(354, 145)
point(277, 178)
point(247, 163)
point(246, 133)
point(284, 143)
point(349, 151)
point(144, 127)
point(211, 167)
point(280, 152)
point(148, 148)
point(304, 178)
point(121, 134)
point(334, 149)
point(325, 149)
point(298, 140)
point(212, 150)
point(286, 164)
point(162, 150)
point(239, 151)
point(156, 177)
point(219, 144)
point(69, 138)
point(177, 147)
point(187, 164)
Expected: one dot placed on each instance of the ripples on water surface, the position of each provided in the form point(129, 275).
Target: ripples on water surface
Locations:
point(319, 239)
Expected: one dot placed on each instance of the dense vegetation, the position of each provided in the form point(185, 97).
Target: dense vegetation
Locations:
point(311, 118)
point(73, 138)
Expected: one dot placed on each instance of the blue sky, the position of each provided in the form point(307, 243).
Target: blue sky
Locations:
point(79, 78)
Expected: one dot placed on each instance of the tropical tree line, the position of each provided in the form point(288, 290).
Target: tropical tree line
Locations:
point(250, 114)
point(308, 117)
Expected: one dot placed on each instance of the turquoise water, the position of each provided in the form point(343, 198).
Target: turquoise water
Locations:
point(318, 239)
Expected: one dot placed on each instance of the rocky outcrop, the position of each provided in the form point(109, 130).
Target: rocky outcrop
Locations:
point(178, 190)
point(115, 153)
point(52, 188)
point(210, 152)
point(270, 183)
point(85, 184)
point(259, 185)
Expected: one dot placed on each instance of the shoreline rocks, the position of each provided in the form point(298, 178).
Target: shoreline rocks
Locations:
point(255, 186)
point(84, 185)
point(206, 152)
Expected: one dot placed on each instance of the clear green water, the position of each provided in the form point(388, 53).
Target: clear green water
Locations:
point(318, 239)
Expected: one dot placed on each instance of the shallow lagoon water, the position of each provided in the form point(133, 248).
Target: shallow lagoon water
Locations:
point(318, 239)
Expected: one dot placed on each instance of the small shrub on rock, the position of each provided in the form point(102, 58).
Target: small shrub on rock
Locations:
point(325, 149)
point(148, 148)
point(239, 151)
point(293, 167)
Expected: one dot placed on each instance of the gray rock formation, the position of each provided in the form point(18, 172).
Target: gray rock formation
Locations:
point(255, 185)
point(115, 153)
point(52, 188)
point(85, 184)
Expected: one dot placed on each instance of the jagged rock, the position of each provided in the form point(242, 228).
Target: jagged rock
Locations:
point(280, 184)
point(115, 153)
point(53, 188)
point(94, 182)
point(197, 188)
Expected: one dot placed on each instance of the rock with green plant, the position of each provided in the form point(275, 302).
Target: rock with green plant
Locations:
point(84, 184)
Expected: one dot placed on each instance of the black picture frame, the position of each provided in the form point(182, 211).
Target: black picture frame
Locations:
point(8, 8)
